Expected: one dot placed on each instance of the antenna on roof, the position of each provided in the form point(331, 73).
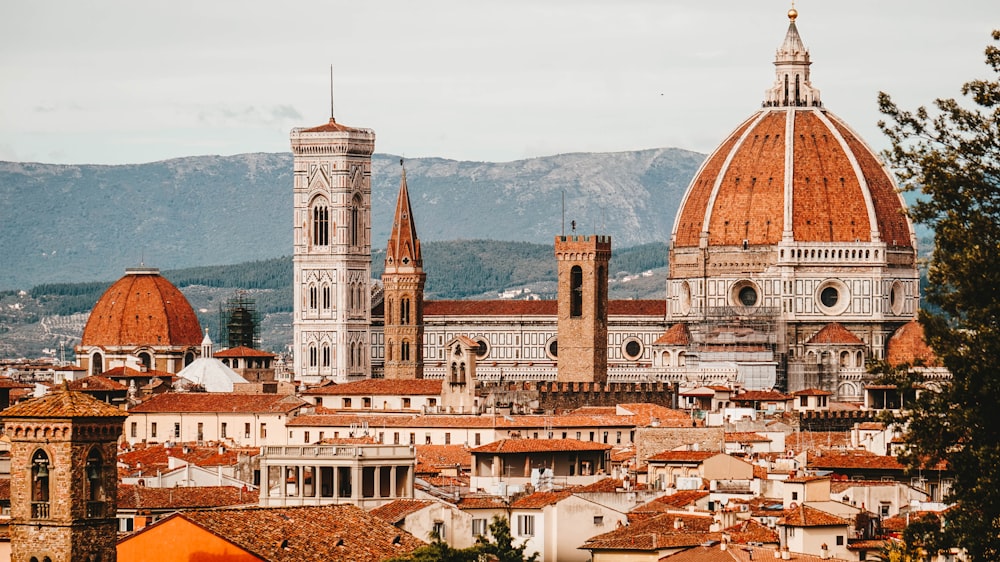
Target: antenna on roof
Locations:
point(331, 94)
point(564, 212)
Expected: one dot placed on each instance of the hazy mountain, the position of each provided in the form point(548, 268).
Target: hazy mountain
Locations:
point(68, 223)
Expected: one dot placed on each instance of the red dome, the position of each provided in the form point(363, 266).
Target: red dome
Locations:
point(797, 171)
point(908, 346)
point(142, 308)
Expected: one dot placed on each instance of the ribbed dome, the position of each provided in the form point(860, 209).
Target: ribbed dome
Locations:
point(792, 172)
point(797, 173)
point(909, 347)
point(142, 308)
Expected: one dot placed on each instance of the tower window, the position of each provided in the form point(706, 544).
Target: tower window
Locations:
point(326, 297)
point(40, 485)
point(576, 291)
point(313, 356)
point(404, 351)
point(355, 220)
point(313, 300)
point(321, 225)
point(404, 311)
point(326, 355)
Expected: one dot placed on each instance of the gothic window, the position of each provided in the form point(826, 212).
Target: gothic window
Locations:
point(326, 297)
point(404, 311)
point(40, 485)
point(321, 223)
point(355, 220)
point(576, 291)
point(313, 297)
point(97, 364)
point(326, 355)
point(404, 351)
point(313, 356)
point(388, 351)
point(95, 484)
point(388, 311)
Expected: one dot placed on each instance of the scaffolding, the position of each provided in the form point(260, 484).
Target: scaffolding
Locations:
point(239, 321)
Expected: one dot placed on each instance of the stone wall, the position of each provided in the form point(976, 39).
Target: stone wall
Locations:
point(652, 440)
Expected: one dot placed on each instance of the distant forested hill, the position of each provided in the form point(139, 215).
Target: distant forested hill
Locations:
point(77, 223)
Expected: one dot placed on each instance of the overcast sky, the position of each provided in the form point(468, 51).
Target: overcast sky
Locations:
point(114, 82)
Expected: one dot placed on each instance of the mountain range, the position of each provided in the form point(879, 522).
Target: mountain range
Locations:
point(73, 223)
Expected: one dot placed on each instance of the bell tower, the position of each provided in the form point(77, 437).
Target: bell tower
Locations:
point(63, 477)
point(332, 255)
point(403, 285)
point(583, 307)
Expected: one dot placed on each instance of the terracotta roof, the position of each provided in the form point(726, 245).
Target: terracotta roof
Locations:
point(183, 497)
point(142, 308)
point(218, 402)
point(7, 382)
point(148, 459)
point(834, 334)
point(682, 456)
point(909, 346)
point(306, 534)
point(62, 403)
point(761, 396)
point(812, 392)
point(746, 437)
point(857, 459)
point(652, 534)
point(805, 516)
point(539, 500)
point(129, 373)
point(332, 126)
point(242, 351)
point(482, 502)
point(322, 418)
point(752, 531)
point(394, 511)
point(813, 440)
point(744, 180)
point(677, 335)
point(370, 387)
point(603, 485)
point(656, 308)
point(805, 479)
point(402, 253)
point(96, 383)
point(678, 500)
point(444, 455)
point(510, 446)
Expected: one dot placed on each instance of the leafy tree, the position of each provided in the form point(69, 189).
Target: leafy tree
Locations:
point(952, 155)
point(438, 551)
point(501, 547)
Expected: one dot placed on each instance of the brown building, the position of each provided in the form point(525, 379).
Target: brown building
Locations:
point(583, 308)
point(63, 477)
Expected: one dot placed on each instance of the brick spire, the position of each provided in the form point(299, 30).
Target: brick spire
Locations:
point(404, 246)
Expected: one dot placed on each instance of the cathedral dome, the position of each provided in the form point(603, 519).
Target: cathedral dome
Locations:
point(142, 308)
point(793, 172)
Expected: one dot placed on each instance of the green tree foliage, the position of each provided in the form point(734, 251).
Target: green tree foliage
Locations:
point(952, 155)
point(499, 547)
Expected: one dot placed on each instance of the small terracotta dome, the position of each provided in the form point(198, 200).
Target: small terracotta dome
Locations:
point(908, 346)
point(142, 308)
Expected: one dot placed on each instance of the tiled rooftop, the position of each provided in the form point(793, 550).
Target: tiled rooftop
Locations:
point(652, 534)
point(371, 387)
point(96, 383)
point(805, 516)
point(677, 335)
point(242, 351)
point(396, 510)
point(62, 403)
point(218, 402)
point(909, 346)
point(539, 500)
point(834, 334)
point(183, 497)
point(512, 446)
point(682, 456)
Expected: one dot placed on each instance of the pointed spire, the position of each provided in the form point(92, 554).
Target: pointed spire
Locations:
point(791, 84)
point(206, 345)
point(404, 246)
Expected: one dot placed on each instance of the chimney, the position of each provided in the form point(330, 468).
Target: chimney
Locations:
point(824, 552)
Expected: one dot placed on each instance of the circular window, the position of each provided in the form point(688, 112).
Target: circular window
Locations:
point(829, 297)
point(482, 349)
point(632, 349)
point(832, 297)
point(552, 348)
point(896, 298)
point(745, 293)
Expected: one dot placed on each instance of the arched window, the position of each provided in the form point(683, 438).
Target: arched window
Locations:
point(146, 359)
point(313, 297)
point(388, 351)
point(404, 351)
point(313, 357)
point(326, 297)
point(355, 220)
point(326, 355)
point(97, 364)
point(404, 311)
point(320, 223)
point(576, 291)
point(388, 311)
point(188, 358)
point(40, 485)
point(94, 472)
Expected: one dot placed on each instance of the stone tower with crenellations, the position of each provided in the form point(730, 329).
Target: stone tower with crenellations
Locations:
point(403, 294)
point(332, 255)
point(63, 485)
point(582, 352)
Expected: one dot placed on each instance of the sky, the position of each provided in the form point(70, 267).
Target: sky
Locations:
point(117, 82)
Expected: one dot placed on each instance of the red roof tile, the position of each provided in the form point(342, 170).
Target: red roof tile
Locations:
point(682, 456)
point(909, 346)
point(539, 500)
point(370, 387)
point(96, 383)
point(761, 396)
point(63, 403)
point(511, 446)
point(812, 392)
point(835, 334)
point(677, 335)
point(242, 351)
point(218, 402)
point(183, 497)
point(805, 516)
point(444, 456)
point(482, 502)
point(394, 511)
point(148, 459)
point(652, 534)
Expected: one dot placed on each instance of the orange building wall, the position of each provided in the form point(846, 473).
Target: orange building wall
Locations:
point(177, 539)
